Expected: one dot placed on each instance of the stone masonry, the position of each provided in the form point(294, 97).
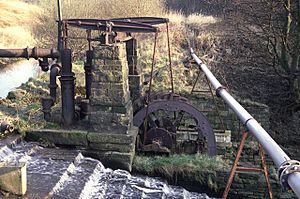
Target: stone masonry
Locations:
point(111, 109)
point(111, 136)
point(135, 77)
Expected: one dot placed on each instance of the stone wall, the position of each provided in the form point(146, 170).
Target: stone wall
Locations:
point(246, 184)
point(204, 102)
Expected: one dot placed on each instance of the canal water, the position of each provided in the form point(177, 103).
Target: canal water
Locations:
point(14, 75)
point(61, 173)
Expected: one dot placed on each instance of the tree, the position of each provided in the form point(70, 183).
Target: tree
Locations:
point(272, 29)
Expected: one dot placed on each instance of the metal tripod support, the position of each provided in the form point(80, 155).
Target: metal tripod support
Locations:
point(235, 167)
point(210, 91)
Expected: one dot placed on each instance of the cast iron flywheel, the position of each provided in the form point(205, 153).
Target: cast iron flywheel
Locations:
point(171, 118)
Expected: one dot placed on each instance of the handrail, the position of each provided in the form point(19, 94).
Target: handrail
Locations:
point(288, 170)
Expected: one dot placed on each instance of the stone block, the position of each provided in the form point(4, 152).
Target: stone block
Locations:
point(114, 138)
point(111, 118)
point(112, 51)
point(109, 76)
point(107, 128)
point(59, 137)
point(125, 148)
point(114, 109)
point(13, 178)
point(120, 65)
point(113, 160)
point(109, 97)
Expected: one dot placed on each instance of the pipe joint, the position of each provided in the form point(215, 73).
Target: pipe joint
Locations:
point(285, 170)
point(218, 90)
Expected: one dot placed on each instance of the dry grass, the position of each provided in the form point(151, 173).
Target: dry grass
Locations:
point(18, 13)
point(16, 23)
point(90, 9)
point(197, 19)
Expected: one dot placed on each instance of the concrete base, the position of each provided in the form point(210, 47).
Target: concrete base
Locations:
point(13, 178)
point(113, 150)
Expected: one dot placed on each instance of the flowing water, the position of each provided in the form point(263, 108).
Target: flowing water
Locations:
point(14, 75)
point(60, 173)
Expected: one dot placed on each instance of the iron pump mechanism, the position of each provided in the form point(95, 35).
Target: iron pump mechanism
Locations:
point(163, 118)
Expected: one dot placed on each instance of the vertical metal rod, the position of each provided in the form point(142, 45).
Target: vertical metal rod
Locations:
point(197, 78)
point(88, 73)
point(150, 86)
point(215, 102)
point(278, 156)
point(66, 34)
point(59, 26)
point(265, 168)
point(170, 60)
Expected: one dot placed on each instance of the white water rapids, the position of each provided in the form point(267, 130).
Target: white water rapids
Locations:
point(61, 173)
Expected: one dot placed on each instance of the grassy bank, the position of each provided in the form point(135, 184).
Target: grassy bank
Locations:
point(22, 107)
point(198, 168)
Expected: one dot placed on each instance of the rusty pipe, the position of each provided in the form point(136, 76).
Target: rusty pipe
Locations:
point(29, 53)
point(54, 72)
point(67, 80)
point(6, 127)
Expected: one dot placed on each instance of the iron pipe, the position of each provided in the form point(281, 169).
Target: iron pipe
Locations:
point(54, 72)
point(47, 103)
point(29, 53)
point(67, 80)
point(59, 26)
point(88, 72)
point(270, 146)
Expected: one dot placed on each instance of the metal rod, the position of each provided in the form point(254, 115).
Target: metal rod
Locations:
point(59, 26)
point(235, 165)
point(270, 146)
point(170, 59)
point(150, 87)
point(88, 72)
point(265, 169)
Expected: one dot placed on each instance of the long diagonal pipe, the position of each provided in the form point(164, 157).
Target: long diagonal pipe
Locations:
point(288, 172)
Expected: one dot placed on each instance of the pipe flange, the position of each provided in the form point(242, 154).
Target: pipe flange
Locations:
point(218, 90)
point(287, 168)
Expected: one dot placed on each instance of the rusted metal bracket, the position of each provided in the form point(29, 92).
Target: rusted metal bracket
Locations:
point(146, 20)
point(110, 25)
point(236, 168)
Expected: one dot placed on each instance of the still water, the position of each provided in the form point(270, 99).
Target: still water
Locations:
point(14, 75)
